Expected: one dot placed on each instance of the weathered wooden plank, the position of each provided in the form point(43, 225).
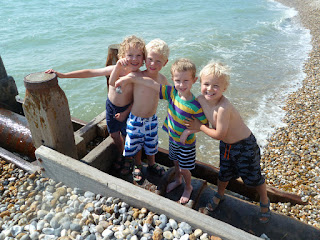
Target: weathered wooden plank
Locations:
point(77, 174)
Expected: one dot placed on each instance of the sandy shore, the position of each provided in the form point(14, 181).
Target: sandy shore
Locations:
point(291, 160)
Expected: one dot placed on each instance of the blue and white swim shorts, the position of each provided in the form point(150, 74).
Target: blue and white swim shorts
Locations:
point(141, 133)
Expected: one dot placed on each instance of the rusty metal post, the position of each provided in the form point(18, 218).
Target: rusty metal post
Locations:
point(47, 111)
point(8, 91)
point(15, 133)
point(112, 57)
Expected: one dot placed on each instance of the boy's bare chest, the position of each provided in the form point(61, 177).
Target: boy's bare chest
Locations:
point(145, 93)
point(211, 113)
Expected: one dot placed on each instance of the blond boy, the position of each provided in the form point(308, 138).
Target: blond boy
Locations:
point(142, 123)
point(239, 151)
point(131, 55)
point(182, 104)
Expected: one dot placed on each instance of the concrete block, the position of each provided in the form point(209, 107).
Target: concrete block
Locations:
point(103, 155)
point(89, 131)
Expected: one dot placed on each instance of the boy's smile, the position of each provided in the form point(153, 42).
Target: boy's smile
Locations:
point(155, 61)
point(183, 82)
point(212, 87)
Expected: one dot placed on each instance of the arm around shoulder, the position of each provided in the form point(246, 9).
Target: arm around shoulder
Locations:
point(145, 81)
point(222, 125)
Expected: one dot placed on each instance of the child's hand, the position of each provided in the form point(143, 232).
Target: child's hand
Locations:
point(123, 62)
point(53, 71)
point(121, 82)
point(184, 136)
point(50, 71)
point(120, 116)
point(192, 123)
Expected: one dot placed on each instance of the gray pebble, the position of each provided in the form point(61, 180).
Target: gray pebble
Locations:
point(48, 231)
point(173, 223)
point(75, 227)
point(108, 233)
point(89, 194)
point(186, 227)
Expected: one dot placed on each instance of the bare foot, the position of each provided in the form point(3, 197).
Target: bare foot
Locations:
point(186, 195)
point(173, 185)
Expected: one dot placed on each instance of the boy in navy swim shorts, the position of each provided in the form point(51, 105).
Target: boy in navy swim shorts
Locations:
point(131, 58)
point(239, 151)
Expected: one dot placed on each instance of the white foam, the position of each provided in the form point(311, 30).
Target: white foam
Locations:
point(270, 111)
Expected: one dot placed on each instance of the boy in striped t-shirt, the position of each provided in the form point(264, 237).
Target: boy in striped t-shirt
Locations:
point(182, 105)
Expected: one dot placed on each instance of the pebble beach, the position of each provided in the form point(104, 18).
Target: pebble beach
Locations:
point(291, 159)
point(33, 207)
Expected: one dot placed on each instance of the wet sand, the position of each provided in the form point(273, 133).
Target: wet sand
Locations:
point(291, 159)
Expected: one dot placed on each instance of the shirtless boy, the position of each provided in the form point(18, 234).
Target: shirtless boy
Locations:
point(131, 54)
point(142, 123)
point(239, 151)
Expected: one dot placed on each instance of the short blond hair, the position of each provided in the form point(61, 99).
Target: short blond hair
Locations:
point(131, 42)
point(183, 65)
point(216, 69)
point(159, 46)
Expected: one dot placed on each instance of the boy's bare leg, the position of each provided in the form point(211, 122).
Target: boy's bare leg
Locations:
point(138, 162)
point(137, 158)
point(151, 160)
point(221, 188)
point(262, 190)
point(119, 142)
point(177, 178)
point(188, 187)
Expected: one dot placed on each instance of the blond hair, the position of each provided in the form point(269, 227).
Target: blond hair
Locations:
point(216, 69)
point(131, 42)
point(158, 46)
point(183, 65)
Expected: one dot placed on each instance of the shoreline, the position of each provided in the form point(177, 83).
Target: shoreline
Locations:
point(291, 158)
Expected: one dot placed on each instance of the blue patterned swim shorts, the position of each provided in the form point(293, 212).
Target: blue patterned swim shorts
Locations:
point(141, 133)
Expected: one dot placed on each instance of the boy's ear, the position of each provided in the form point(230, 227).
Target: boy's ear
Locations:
point(166, 62)
point(195, 79)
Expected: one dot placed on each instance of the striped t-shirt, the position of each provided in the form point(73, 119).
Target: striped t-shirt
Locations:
point(178, 110)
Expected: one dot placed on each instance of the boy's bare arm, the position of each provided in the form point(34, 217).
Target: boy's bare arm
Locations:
point(121, 116)
point(164, 80)
point(146, 81)
point(115, 74)
point(85, 73)
point(221, 126)
point(185, 135)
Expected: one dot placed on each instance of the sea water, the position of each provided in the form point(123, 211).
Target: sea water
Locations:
point(262, 41)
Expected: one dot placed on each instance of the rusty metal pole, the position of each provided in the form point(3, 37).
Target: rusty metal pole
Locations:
point(15, 134)
point(112, 57)
point(8, 91)
point(47, 111)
